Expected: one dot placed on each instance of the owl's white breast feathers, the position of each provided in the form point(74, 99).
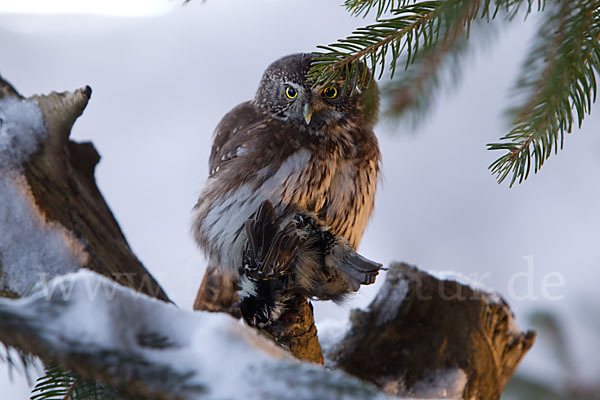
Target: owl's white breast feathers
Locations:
point(222, 225)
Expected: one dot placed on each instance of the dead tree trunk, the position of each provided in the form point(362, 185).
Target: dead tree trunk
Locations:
point(60, 179)
point(419, 329)
point(421, 336)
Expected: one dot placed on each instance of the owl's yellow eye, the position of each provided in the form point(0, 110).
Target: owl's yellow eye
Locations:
point(290, 92)
point(330, 92)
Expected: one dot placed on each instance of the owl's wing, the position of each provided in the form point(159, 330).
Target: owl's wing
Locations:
point(228, 142)
point(218, 291)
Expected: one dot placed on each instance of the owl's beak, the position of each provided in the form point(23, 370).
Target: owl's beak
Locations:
point(308, 112)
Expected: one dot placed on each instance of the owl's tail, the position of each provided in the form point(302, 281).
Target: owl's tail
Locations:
point(218, 292)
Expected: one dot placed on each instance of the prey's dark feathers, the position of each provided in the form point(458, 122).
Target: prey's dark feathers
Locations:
point(299, 259)
point(269, 250)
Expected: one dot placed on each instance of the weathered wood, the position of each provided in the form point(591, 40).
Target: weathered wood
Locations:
point(299, 336)
point(61, 180)
point(419, 324)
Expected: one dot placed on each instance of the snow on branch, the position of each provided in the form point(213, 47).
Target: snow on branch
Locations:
point(53, 218)
point(28, 244)
point(87, 323)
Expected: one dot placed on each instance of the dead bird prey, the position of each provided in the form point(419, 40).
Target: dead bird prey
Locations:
point(298, 259)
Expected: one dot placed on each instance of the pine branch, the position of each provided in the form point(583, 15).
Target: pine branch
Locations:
point(58, 384)
point(414, 89)
point(371, 44)
point(24, 363)
point(358, 7)
point(413, 29)
point(559, 76)
point(560, 79)
point(55, 384)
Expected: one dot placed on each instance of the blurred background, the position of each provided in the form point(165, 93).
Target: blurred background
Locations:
point(164, 74)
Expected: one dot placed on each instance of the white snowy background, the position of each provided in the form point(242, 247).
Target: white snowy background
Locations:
point(163, 75)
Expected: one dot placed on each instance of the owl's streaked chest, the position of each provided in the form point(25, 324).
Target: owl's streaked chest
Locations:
point(339, 191)
point(346, 203)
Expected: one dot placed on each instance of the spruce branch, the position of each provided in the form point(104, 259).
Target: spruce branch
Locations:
point(559, 75)
point(559, 78)
point(371, 44)
point(358, 7)
point(412, 31)
point(58, 384)
point(414, 89)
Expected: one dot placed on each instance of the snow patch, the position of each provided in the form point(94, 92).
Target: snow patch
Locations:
point(21, 131)
point(441, 384)
point(31, 250)
point(389, 299)
point(208, 350)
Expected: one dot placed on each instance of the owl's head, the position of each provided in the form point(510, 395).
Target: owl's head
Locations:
point(288, 95)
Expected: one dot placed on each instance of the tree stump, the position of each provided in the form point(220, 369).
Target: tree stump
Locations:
point(420, 328)
point(60, 180)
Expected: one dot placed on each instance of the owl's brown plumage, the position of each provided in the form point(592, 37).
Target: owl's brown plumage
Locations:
point(304, 149)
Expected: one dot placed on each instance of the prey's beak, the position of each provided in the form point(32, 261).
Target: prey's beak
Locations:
point(308, 112)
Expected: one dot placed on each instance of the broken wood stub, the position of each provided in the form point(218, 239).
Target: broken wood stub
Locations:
point(60, 176)
point(218, 294)
point(419, 324)
point(299, 337)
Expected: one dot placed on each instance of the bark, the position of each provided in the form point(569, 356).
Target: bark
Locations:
point(61, 180)
point(417, 328)
point(299, 337)
point(419, 325)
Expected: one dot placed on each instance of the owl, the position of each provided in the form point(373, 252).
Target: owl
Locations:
point(291, 188)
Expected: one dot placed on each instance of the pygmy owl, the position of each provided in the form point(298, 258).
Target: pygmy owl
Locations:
point(297, 165)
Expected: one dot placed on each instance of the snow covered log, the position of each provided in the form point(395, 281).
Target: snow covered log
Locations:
point(433, 337)
point(48, 181)
point(145, 348)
